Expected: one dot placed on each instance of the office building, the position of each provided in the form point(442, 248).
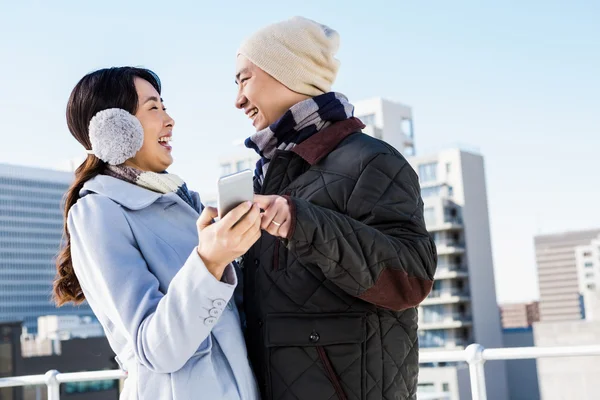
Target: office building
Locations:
point(587, 259)
point(389, 121)
point(519, 315)
point(31, 224)
point(462, 307)
point(560, 292)
point(522, 375)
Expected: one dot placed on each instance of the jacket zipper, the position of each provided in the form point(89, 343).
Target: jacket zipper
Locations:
point(335, 381)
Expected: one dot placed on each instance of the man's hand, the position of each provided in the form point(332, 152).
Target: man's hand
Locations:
point(277, 218)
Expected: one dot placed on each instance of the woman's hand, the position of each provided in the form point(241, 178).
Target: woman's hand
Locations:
point(277, 216)
point(222, 242)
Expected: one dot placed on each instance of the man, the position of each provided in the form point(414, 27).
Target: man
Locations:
point(332, 286)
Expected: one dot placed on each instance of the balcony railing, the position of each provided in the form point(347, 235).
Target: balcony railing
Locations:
point(450, 271)
point(449, 243)
point(448, 293)
point(450, 317)
point(453, 220)
point(432, 345)
point(475, 355)
point(452, 268)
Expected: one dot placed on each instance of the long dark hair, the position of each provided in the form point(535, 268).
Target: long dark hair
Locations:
point(97, 91)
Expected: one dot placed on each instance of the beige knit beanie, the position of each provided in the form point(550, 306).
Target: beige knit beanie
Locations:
point(298, 52)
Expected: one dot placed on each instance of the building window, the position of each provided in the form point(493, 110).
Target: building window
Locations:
point(591, 286)
point(450, 191)
point(225, 169)
point(368, 119)
point(588, 265)
point(445, 387)
point(448, 168)
point(6, 360)
point(429, 215)
point(433, 338)
point(430, 191)
point(589, 275)
point(407, 128)
point(425, 388)
point(240, 165)
point(428, 172)
point(587, 254)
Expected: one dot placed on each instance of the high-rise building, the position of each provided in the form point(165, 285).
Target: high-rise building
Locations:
point(31, 224)
point(587, 258)
point(462, 307)
point(519, 315)
point(560, 294)
point(569, 268)
point(389, 121)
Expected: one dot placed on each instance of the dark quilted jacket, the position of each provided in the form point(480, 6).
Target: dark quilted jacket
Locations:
point(331, 309)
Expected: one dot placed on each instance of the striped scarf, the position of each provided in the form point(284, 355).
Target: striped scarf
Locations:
point(157, 182)
point(298, 124)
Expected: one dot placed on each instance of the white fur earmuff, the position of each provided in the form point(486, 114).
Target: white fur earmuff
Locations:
point(116, 135)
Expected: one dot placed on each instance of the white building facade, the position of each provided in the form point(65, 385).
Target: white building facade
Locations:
point(462, 307)
point(588, 270)
point(389, 121)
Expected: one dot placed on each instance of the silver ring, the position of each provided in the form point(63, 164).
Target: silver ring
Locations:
point(275, 223)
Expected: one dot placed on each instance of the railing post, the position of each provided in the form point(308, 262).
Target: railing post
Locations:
point(53, 385)
point(474, 356)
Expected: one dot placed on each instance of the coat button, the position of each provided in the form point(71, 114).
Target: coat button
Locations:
point(314, 337)
point(256, 262)
point(210, 321)
point(260, 323)
point(214, 312)
point(219, 303)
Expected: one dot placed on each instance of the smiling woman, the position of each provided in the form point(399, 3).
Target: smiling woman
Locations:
point(145, 254)
point(155, 154)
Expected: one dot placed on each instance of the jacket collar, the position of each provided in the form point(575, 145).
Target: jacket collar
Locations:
point(313, 149)
point(124, 193)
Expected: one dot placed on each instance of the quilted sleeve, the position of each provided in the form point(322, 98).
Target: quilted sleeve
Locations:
point(379, 250)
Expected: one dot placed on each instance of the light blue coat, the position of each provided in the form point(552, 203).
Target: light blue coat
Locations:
point(173, 326)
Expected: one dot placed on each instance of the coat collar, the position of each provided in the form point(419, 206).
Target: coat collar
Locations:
point(313, 149)
point(124, 193)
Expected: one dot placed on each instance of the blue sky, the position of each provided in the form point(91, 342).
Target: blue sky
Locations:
point(518, 81)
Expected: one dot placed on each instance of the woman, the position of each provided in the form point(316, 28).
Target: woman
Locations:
point(157, 273)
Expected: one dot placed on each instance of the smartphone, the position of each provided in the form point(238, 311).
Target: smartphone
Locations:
point(233, 190)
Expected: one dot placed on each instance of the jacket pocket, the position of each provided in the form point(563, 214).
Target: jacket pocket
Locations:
point(315, 357)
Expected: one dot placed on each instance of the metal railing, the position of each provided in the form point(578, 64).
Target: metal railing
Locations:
point(52, 379)
point(475, 355)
